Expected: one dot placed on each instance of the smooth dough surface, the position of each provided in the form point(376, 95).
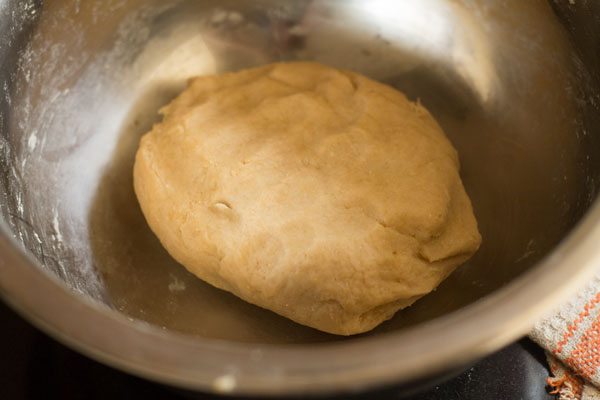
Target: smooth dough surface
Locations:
point(317, 193)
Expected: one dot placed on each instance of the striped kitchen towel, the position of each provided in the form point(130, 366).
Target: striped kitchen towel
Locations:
point(571, 337)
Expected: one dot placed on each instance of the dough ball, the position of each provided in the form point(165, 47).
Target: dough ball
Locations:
point(316, 193)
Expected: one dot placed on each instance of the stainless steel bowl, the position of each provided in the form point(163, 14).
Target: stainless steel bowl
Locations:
point(514, 83)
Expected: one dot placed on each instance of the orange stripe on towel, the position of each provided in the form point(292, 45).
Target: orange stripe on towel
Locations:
point(572, 327)
point(585, 357)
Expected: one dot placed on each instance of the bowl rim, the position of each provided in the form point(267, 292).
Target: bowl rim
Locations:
point(221, 366)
